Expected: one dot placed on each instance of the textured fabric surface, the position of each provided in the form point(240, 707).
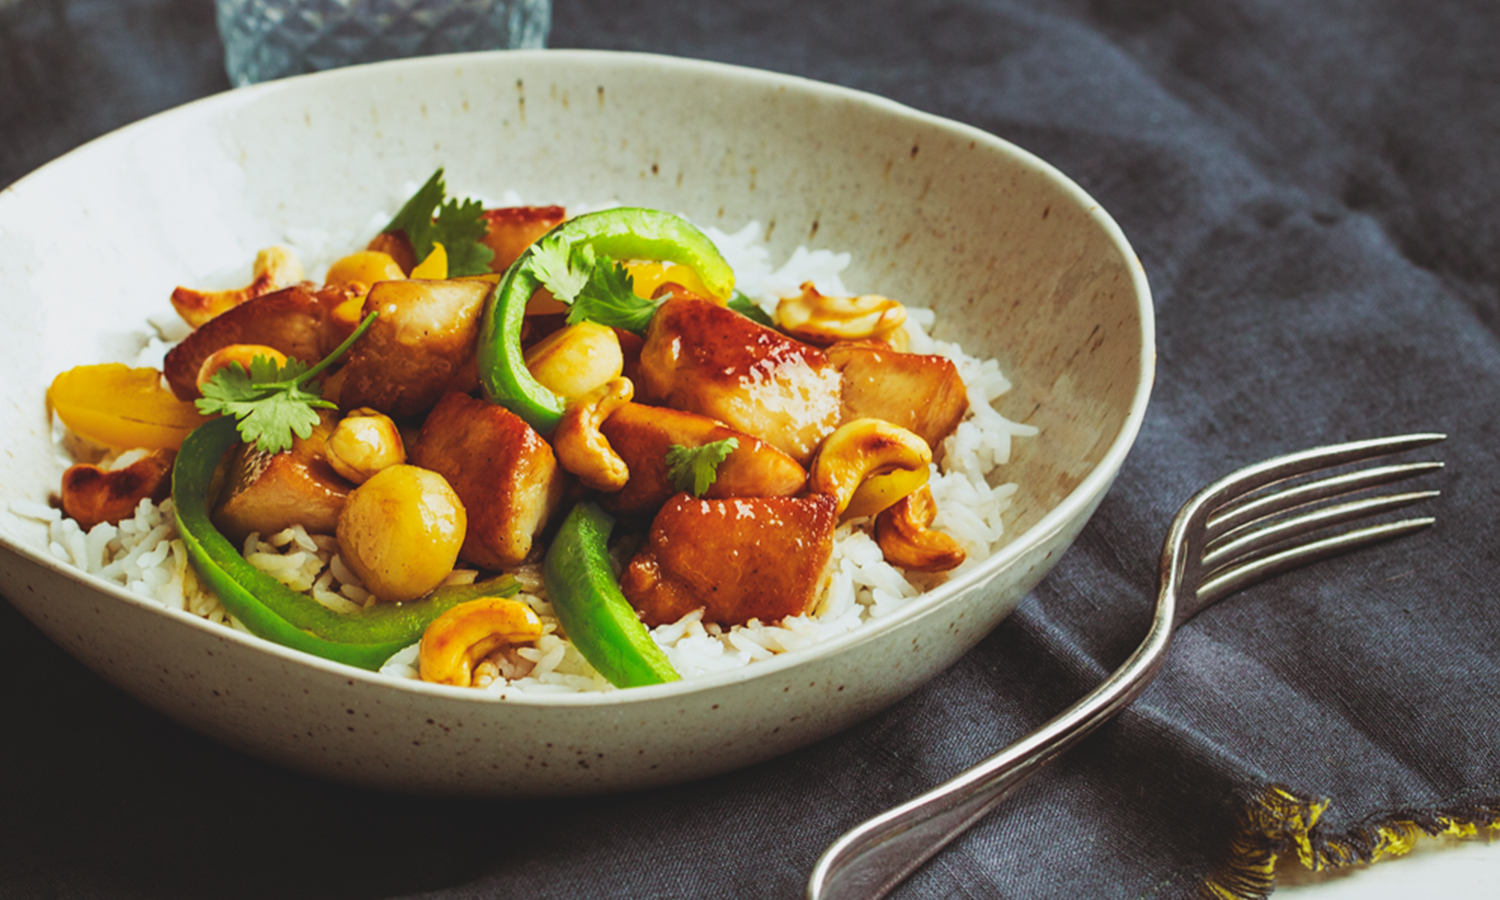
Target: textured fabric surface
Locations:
point(1312, 190)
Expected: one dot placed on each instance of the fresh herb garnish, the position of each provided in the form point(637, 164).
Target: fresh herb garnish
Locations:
point(599, 289)
point(273, 402)
point(561, 268)
point(609, 298)
point(749, 309)
point(596, 288)
point(458, 225)
point(695, 469)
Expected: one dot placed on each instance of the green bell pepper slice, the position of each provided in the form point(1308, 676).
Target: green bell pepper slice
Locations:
point(621, 234)
point(594, 612)
point(270, 609)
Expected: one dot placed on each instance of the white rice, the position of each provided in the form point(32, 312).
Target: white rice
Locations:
point(144, 555)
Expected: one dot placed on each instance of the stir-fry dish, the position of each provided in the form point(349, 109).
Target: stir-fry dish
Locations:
point(507, 441)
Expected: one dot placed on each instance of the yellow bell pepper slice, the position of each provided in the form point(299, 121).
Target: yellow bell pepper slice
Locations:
point(434, 267)
point(646, 276)
point(121, 407)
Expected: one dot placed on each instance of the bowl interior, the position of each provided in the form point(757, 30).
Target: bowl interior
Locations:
point(1018, 263)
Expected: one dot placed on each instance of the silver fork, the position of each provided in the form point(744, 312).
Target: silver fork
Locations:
point(1231, 534)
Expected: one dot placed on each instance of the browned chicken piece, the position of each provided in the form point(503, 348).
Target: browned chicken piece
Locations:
point(710, 360)
point(923, 394)
point(421, 347)
point(295, 320)
point(630, 349)
point(267, 492)
point(642, 435)
point(513, 228)
point(502, 470)
point(740, 559)
point(91, 494)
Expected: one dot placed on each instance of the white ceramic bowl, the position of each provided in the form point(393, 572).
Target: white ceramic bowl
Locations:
point(1020, 264)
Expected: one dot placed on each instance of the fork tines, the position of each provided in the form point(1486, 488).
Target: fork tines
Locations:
point(1258, 530)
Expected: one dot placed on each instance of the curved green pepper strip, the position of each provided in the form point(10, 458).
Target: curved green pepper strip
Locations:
point(595, 614)
point(620, 234)
point(269, 608)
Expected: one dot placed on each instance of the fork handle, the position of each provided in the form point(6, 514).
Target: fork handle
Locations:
point(871, 859)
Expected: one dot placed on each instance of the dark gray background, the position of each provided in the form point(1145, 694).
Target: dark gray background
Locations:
point(1312, 189)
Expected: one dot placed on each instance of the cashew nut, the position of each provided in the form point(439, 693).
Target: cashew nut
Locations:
point(92, 494)
point(861, 448)
point(243, 354)
point(364, 442)
point(904, 535)
point(880, 492)
point(818, 319)
point(579, 445)
point(460, 638)
point(275, 268)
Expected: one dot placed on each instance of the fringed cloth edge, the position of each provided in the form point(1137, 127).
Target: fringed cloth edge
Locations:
point(1278, 821)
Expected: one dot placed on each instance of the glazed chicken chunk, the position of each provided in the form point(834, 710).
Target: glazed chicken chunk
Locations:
point(503, 471)
point(710, 360)
point(923, 394)
point(267, 492)
point(509, 230)
point(295, 321)
point(421, 346)
point(642, 435)
point(740, 559)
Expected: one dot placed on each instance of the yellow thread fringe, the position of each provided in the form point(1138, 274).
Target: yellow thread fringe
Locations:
point(1278, 821)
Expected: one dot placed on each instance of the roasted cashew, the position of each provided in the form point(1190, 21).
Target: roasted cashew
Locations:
point(244, 354)
point(880, 492)
point(904, 535)
point(460, 638)
point(818, 319)
point(579, 445)
point(861, 448)
point(275, 268)
point(91, 494)
point(364, 442)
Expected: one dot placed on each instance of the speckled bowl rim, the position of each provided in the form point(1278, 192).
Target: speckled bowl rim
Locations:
point(1095, 483)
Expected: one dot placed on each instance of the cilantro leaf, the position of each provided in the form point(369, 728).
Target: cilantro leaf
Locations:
point(461, 228)
point(750, 310)
point(229, 387)
point(561, 269)
point(596, 287)
point(609, 299)
point(273, 420)
point(264, 370)
point(695, 469)
point(458, 225)
point(416, 215)
point(270, 400)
